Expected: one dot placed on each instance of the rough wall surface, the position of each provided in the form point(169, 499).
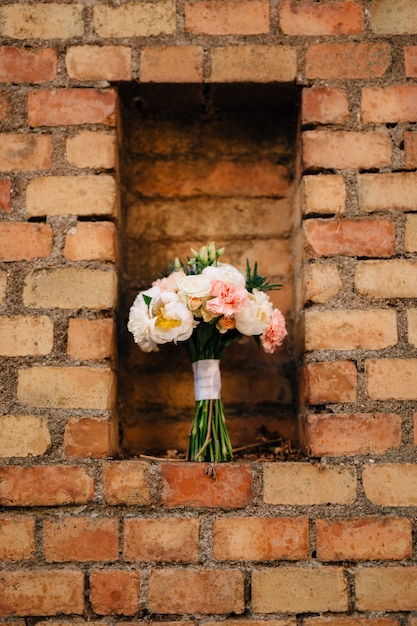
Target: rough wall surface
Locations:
point(85, 537)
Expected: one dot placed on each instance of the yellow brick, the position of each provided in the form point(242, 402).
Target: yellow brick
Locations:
point(386, 589)
point(384, 192)
point(71, 195)
point(394, 17)
point(410, 244)
point(24, 152)
point(22, 335)
point(350, 329)
point(391, 379)
point(70, 289)
point(41, 21)
point(3, 286)
point(261, 64)
point(299, 590)
point(99, 62)
point(306, 484)
point(140, 19)
point(391, 484)
point(412, 326)
point(91, 149)
point(396, 278)
point(21, 435)
point(66, 387)
point(323, 194)
point(320, 283)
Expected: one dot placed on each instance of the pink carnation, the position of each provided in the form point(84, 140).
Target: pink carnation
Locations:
point(275, 333)
point(228, 300)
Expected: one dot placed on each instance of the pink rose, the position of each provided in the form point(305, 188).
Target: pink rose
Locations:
point(228, 299)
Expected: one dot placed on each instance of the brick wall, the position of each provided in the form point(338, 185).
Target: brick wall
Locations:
point(85, 536)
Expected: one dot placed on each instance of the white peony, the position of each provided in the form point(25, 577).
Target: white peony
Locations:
point(226, 273)
point(139, 323)
point(172, 320)
point(195, 286)
point(254, 317)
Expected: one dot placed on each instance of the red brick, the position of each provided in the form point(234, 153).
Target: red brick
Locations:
point(17, 538)
point(325, 382)
point(361, 237)
point(20, 241)
point(161, 540)
point(410, 150)
point(346, 149)
point(351, 621)
point(114, 592)
point(5, 189)
point(88, 437)
point(251, 539)
point(45, 485)
point(410, 60)
point(26, 152)
point(127, 482)
point(190, 484)
point(349, 61)
point(66, 107)
point(227, 17)
point(41, 592)
point(365, 539)
point(324, 105)
point(90, 339)
point(91, 241)
point(196, 591)
point(20, 65)
point(415, 429)
point(223, 178)
point(5, 107)
point(327, 18)
point(81, 539)
point(336, 434)
point(397, 103)
point(172, 64)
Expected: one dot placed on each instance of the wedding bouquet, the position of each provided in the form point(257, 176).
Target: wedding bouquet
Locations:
point(206, 305)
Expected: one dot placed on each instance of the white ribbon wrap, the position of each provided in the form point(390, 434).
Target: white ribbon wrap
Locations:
point(207, 381)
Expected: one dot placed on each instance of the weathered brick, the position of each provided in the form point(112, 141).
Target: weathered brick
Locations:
point(232, 17)
point(397, 103)
point(412, 326)
point(19, 65)
point(323, 194)
point(349, 61)
point(386, 589)
point(261, 64)
point(81, 539)
point(91, 241)
point(410, 240)
point(325, 382)
point(396, 278)
point(17, 538)
point(41, 21)
point(66, 387)
point(45, 485)
point(41, 592)
point(90, 339)
point(410, 61)
point(99, 62)
point(350, 329)
point(359, 237)
point(71, 195)
point(127, 482)
point(26, 152)
point(92, 149)
point(391, 484)
point(24, 335)
point(249, 622)
point(312, 19)
point(391, 379)
point(410, 150)
point(188, 484)
point(382, 192)
point(194, 591)
point(70, 289)
point(114, 592)
point(306, 484)
point(415, 429)
point(66, 107)
point(324, 105)
point(396, 17)
point(161, 540)
point(299, 590)
point(351, 621)
point(23, 435)
point(336, 434)
point(346, 149)
point(88, 437)
point(365, 539)
point(20, 241)
point(251, 539)
point(5, 189)
point(3, 286)
point(172, 64)
point(320, 283)
point(139, 19)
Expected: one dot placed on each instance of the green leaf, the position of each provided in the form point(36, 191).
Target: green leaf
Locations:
point(147, 299)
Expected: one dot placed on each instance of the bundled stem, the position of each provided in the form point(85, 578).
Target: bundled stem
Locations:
point(209, 439)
